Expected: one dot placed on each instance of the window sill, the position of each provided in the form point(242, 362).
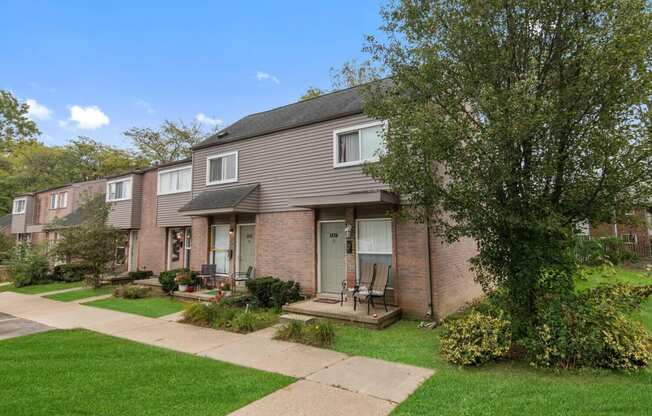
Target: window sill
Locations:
point(173, 193)
point(356, 163)
point(221, 182)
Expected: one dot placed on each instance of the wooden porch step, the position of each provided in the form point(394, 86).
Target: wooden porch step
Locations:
point(291, 317)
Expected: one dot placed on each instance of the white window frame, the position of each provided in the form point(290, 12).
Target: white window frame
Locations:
point(54, 200)
point(357, 238)
point(336, 148)
point(128, 197)
point(208, 168)
point(24, 200)
point(63, 199)
point(162, 172)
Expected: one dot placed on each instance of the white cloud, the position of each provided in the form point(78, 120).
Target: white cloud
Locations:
point(85, 118)
point(145, 105)
point(37, 111)
point(204, 119)
point(262, 76)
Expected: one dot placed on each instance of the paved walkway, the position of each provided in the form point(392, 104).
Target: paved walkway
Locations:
point(330, 383)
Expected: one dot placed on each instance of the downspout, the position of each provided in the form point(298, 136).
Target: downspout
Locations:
point(431, 312)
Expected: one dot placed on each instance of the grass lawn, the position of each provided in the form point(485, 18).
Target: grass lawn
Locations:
point(85, 373)
point(80, 294)
point(504, 388)
point(44, 288)
point(152, 307)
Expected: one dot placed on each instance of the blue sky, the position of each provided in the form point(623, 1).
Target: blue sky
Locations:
point(98, 68)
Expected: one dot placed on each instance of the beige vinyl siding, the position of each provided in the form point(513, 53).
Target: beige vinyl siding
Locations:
point(126, 214)
point(17, 223)
point(292, 163)
point(167, 210)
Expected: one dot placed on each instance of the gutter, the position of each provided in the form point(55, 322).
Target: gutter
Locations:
point(431, 311)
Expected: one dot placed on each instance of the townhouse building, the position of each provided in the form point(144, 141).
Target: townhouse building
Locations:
point(282, 192)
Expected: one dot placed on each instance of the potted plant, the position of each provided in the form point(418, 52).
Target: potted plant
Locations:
point(183, 279)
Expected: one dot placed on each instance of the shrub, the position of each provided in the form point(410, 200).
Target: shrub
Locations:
point(249, 321)
point(318, 333)
point(167, 278)
point(270, 292)
point(28, 266)
point(132, 292)
point(616, 251)
point(140, 274)
point(590, 329)
point(220, 316)
point(475, 339)
point(73, 272)
point(590, 252)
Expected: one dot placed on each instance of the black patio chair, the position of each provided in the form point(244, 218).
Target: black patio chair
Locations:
point(207, 276)
point(241, 277)
point(362, 290)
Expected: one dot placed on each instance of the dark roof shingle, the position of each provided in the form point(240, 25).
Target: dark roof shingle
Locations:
point(325, 107)
point(219, 198)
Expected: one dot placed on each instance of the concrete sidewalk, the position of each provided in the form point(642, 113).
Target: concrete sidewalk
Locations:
point(330, 383)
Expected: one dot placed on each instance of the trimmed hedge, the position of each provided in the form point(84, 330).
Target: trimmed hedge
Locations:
point(270, 292)
point(72, 272)
point(141, 274)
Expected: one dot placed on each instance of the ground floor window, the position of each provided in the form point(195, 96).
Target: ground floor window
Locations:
point(220, 252)
point(374, 242)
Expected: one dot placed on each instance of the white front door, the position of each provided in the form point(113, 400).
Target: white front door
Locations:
point(332, 249)
point(220, 252)
point(175, 245)
point(246, 246)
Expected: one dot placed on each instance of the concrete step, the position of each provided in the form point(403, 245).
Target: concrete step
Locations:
point(289, 317)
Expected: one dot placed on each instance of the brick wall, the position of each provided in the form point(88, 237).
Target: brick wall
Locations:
point(151, 238)
point(453, 281)
point(285, 247)
point(199, 254)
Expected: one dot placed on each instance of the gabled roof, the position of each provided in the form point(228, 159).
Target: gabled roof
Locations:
point(325, 107)
point(224, 199)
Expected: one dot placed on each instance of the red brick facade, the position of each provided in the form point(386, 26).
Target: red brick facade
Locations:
point(151, 238)
point(286, 247)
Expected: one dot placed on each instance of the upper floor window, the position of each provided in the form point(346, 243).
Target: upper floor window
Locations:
point(53, 201)
point(175, 180)
point(119, 190)
point(19, 206)
point(358, 144)
point(222, 168)
point(63, 199)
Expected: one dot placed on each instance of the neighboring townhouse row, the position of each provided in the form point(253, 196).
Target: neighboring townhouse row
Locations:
point(283, 192)
point(635, 234)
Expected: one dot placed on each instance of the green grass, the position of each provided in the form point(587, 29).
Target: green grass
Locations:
point(80, 294)
point(80, 372)
point(152, 307)
point(38, 289)
point(505, 388)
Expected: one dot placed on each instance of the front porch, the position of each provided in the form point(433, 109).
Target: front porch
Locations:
point(324, 308)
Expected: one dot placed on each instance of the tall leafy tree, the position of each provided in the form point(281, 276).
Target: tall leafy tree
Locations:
point(92, 242)
point(173, 140)
point(350, 74)
point(15, 125)
point(512, 121)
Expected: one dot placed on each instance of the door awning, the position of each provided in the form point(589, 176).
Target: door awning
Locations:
point(353, 198)
point(225, 200)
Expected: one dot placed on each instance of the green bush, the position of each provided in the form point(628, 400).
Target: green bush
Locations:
point(616, 251)
point(252, 320)
point(220, 316)
point(140, 274)
point(270, 292)
point(590, 329)
point(318, 333)
point(73, 272)
point(28, 266)
point(475, 339)
point(590, 252)
point(167, 278)
point(132, 292)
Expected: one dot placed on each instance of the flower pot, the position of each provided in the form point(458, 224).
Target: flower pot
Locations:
point(183, 288)
point(190, 289)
